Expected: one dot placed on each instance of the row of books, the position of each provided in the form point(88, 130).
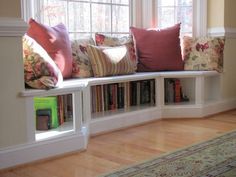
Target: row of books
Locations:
point(65, 108)
point(173, 91)
point(122, 95)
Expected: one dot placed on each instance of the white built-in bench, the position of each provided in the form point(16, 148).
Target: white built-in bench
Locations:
point(202, 88)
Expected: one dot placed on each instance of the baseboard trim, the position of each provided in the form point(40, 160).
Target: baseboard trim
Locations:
point(26, 153)
point(198, 111)
point(30, 152)
point(119, 121)
point(182, 111)
point(10, 27)
point(221, 31)
point(220, 106)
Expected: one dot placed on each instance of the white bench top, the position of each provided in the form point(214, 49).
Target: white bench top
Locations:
point(77, 84)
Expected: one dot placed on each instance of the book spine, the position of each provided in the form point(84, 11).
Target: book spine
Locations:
point(138, 93)
point(133, 92)
point(105, 94)
point(152, 92)
point(177, 91)
point(93, 98)
point(128, 94)
point(110, 97)
point(120, 95)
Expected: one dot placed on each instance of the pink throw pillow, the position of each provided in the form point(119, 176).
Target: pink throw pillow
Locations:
point(158, 50)
point(55, 41)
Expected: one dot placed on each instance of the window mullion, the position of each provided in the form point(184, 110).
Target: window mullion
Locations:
point(67, 14)
point(111, 18)
point(91, 22)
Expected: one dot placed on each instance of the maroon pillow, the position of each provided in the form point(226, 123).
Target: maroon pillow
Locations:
point(55, 41)
point(158, 50)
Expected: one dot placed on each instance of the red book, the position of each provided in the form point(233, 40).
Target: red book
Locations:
point(177, 91)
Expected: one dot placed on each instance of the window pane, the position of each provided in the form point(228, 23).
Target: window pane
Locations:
point(86, 16)
point(79, 17)
point(106, 1)
point(171, 12)
point(120, 22)
point(184, 2)
point(101, 18)
point(120, 2)
point(166, 17)
point(79, 35)
point(184, 16)
point(53, 12)
point(166, 3)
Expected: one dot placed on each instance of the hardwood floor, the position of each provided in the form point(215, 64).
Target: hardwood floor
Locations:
point(125, 147)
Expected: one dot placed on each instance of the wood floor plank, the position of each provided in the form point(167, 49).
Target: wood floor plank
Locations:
point(117, 149)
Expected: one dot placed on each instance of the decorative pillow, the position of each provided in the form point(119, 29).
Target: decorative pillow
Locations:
point(108, 61)
point(158, 50)
point(205, 53)
point(105, 40)
point(81, 63)
point(40, 71)
point(55, 41)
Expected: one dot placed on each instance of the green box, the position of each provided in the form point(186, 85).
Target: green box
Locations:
point(47, 103)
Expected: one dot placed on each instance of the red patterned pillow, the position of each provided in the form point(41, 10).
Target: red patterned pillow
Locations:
point(40, 71)
point(81, 63)
point(55, 41)
point(203, 53)
point(158, 50)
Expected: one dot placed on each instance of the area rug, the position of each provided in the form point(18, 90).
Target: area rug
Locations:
point(213, 158)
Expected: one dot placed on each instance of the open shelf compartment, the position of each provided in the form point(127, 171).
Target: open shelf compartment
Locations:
point(179, 91)
point(117, 98)
point(53, 116)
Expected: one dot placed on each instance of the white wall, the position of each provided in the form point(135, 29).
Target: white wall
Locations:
point(12, 107)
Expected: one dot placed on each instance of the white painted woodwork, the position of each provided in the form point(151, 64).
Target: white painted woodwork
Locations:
point(203, 88)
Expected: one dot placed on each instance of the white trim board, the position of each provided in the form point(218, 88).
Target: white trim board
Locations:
point(12, 27)
point(221, 31)
point(26, 153)
point(120, 121)
point(219, 106)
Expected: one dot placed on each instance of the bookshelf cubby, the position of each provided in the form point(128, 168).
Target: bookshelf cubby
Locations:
point(53, 115)
point(179, 91)
point(62, 106)
point(122, 97)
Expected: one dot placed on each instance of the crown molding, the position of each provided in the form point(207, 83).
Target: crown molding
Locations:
point(221, 31)
point(12, 27)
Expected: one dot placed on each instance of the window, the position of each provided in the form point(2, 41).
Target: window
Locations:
point(84, 17)
point(170, 12)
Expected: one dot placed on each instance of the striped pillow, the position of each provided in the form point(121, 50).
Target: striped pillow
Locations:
point(109, 61)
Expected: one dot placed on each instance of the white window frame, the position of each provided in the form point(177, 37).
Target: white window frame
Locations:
point(30, 7)
point(145, 14)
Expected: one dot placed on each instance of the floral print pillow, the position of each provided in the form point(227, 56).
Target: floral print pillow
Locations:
point(40, 71)
point(81, 65)
point(205, 53)
point(110, 41)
